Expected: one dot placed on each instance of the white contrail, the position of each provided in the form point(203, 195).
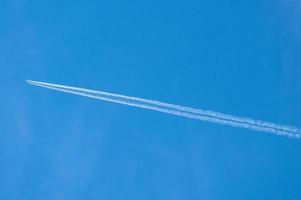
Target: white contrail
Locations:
point(183, 111)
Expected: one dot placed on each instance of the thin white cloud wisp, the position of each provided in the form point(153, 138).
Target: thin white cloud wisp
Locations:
point(183, 111)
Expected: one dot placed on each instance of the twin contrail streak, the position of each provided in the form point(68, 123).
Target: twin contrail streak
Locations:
point(183, 111)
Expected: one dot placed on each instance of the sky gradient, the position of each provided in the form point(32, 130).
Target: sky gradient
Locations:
point(238, 57)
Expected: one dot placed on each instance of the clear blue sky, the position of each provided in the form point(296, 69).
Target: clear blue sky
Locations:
point(238, 57)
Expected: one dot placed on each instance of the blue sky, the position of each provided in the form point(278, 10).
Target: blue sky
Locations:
point(238, 57)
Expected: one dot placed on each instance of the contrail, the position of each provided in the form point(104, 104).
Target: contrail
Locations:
point(183, 111)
